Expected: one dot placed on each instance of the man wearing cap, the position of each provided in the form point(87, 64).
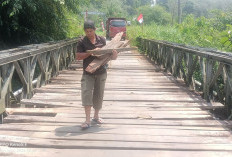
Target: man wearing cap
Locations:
point(92, 84)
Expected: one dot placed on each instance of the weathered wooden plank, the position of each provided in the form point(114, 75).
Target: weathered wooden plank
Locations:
point(123, 145)
point(126, 43)
point(38, 152)
point(112, 135)
point(115, 40)
point(98, 62)
point(104, 51)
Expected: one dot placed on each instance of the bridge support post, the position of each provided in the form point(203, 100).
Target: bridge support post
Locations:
point(6, 74)
point(207, 68)
point(228, 89)
point(27, 69)
point(55, 58)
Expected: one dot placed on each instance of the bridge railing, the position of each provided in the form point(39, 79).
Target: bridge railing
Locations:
point(204, 70)
point(32, 66)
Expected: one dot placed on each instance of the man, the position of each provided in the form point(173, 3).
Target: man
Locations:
point(92, 84)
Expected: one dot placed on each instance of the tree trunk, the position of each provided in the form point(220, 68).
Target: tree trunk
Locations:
point(179, 12)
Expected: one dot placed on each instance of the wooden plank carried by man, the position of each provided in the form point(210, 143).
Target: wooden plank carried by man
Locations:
point(105, 53)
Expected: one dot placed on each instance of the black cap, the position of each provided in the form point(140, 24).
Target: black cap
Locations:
point(89, 24)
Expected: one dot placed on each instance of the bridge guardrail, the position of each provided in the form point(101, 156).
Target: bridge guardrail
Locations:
point(209, 72)
point(35, 65)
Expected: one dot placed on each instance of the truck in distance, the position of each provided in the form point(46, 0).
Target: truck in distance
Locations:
point(115, 25)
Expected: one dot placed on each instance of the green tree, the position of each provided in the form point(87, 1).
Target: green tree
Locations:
point(114, 8)
point(155, 14)
point(220, 19)
point(33, 21)
point(226, 39)
point(188, 8)
point(163, 3)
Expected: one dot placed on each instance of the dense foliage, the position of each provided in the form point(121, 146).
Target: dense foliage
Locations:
point(211, 31)
point(33, 21)
point(193, 31)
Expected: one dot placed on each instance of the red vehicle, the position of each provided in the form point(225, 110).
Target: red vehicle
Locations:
point(114, 26)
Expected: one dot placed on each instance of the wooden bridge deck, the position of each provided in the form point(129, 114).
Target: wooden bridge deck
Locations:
point(146, 113)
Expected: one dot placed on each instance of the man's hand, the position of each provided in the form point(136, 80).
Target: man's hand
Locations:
point(114, 55)
point(97, 48)
point(94, 54)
